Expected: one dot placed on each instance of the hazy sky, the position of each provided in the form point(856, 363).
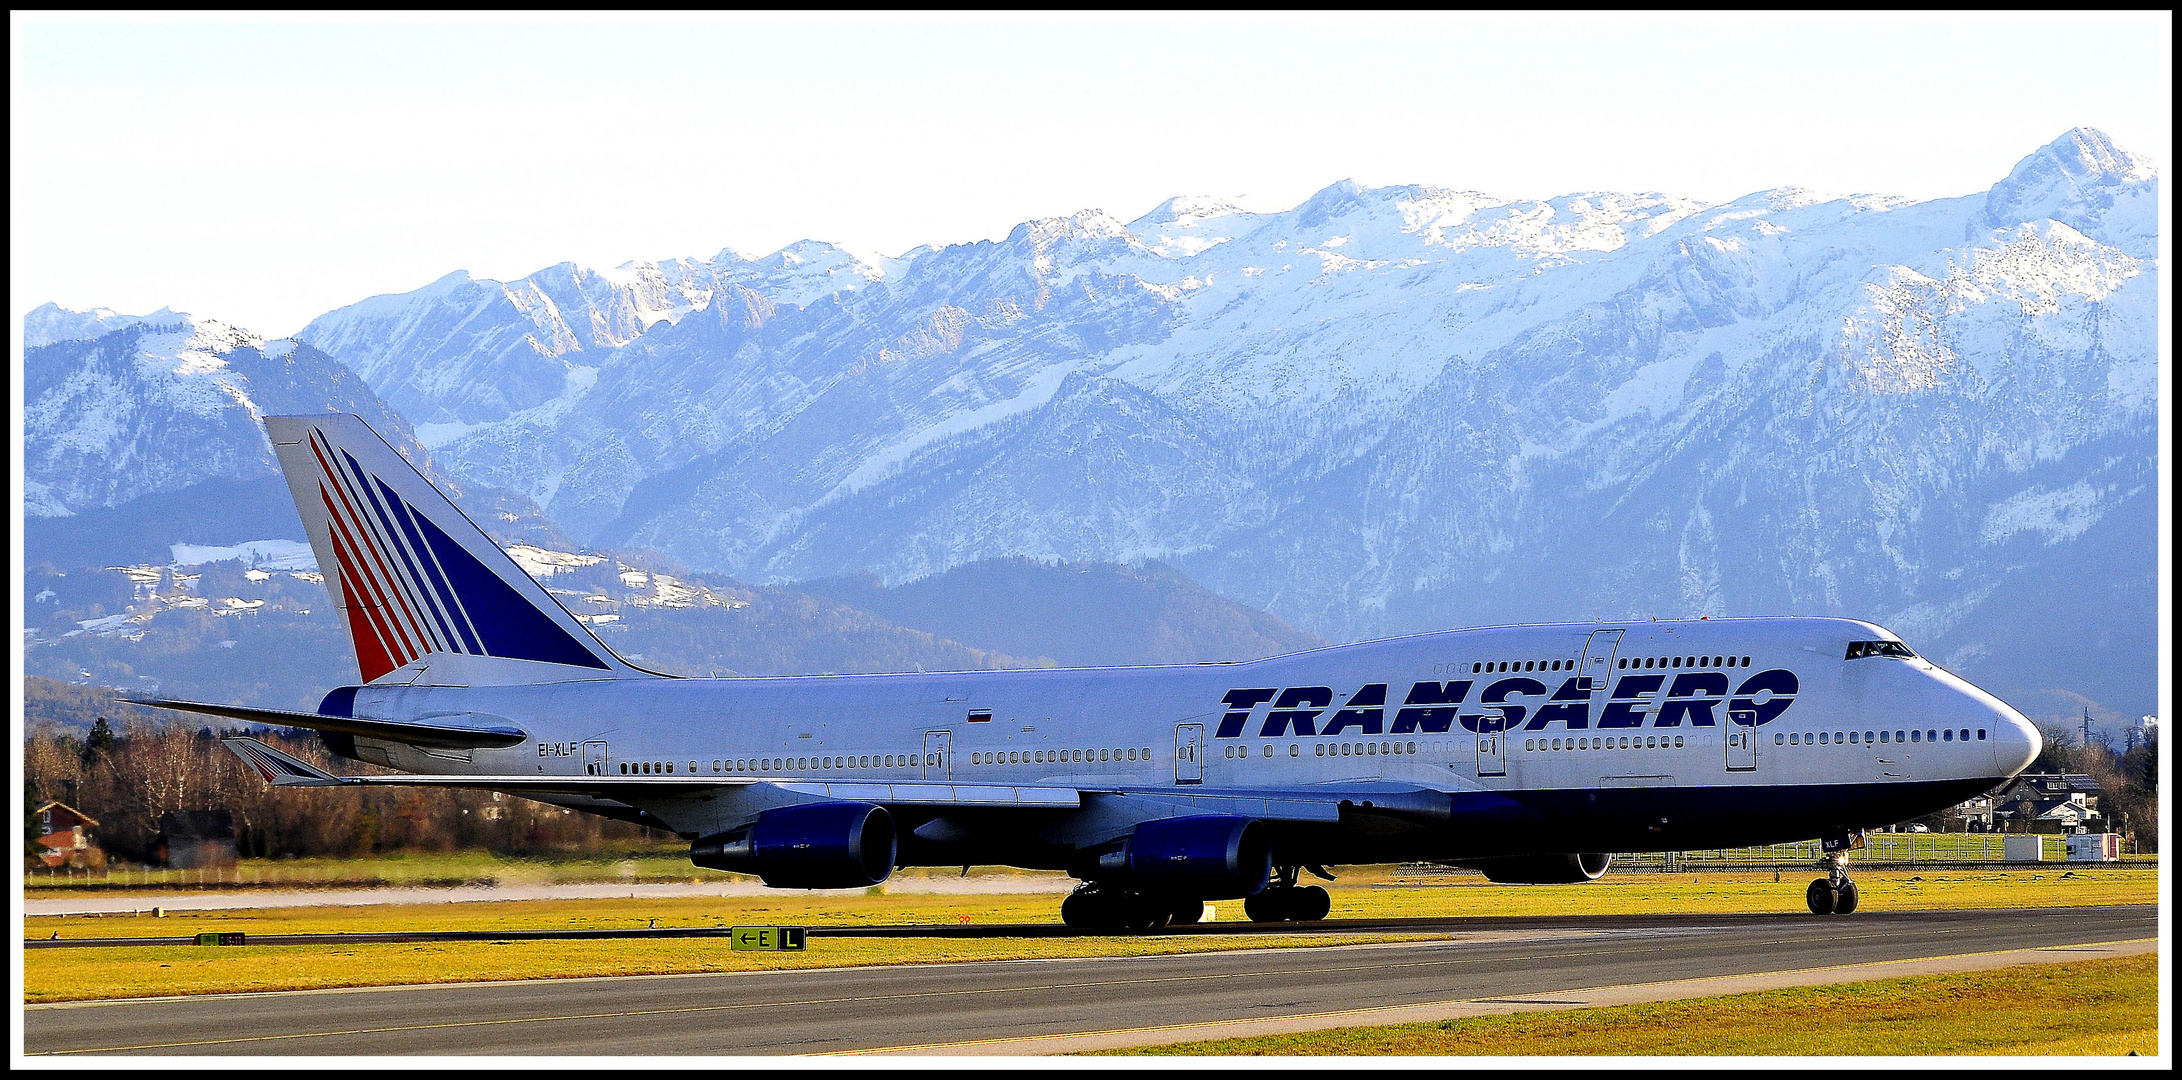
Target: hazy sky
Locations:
point(263, 172)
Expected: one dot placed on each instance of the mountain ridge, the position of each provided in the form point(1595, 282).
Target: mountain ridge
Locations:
point(1383, 410)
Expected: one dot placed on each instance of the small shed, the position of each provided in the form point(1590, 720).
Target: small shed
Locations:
point(189, 839)
point(63, 836)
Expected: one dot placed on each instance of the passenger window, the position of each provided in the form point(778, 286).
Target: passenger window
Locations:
point(1915, 736)
point(1899, 736)
point(1931, 736)
point(1678, 741)
point(1948, 735)
point(1981, 734)
point(1295, 750)
point(1412, 748)
point(1779, 739)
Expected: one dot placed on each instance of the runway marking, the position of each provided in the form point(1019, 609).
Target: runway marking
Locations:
point(1628, 993)
point(685, 1010)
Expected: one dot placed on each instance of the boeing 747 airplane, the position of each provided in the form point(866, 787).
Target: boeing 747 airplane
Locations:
point(1530, 753)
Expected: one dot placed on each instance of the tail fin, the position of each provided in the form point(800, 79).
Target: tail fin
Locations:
point(423, 588)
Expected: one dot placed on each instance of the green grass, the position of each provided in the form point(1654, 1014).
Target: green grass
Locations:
point(2104, 1007)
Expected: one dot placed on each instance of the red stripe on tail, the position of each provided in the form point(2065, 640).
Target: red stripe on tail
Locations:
point(392, 588)
point(372, 660)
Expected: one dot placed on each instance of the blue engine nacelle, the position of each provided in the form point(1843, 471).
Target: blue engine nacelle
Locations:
point(1214, 857)
point(832, 845)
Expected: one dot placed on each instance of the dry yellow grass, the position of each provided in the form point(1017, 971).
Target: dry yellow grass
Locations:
point(2093, 1007)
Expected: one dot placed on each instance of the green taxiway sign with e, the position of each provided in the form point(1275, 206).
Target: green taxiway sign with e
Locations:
point(768, 938)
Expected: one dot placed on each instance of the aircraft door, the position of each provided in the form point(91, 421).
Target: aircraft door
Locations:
point(938, 755)
point(1742, 740)
point(1492, 745)
point(594, 759)
point(1189, 751)
point(1598, 658)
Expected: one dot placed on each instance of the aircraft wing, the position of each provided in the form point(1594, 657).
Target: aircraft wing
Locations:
point(283, 770)
point(1330, 804)
point(1338, 802)
point(456, 730)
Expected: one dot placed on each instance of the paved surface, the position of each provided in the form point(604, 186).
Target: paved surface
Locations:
point(1028, 1007)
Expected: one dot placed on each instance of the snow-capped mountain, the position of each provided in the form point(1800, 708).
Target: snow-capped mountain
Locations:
point(464, 351)
point(1386, 409)
point(118, 407)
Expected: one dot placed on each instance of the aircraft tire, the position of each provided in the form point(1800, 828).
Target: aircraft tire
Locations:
point(1268, 906)
point(1186, 913)
point(1310, 904)
point(1080, 911)
point(1147, 914)
point(1820, 896)
point(1845, 901)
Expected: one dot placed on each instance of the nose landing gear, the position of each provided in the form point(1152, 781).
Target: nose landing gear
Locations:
point(1835, 894)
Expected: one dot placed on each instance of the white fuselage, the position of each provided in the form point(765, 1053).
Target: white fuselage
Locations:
point(1642, 736)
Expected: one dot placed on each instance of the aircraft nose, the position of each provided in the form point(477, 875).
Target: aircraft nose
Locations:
point(2016, 742)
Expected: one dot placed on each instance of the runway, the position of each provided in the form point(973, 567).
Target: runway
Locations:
point(1058, 1005)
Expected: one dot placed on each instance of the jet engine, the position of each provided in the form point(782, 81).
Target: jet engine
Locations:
point(1215, 857)
point(829, 845)
point(1542, 869)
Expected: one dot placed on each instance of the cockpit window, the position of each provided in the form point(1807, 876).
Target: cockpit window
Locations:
point(1860, 649)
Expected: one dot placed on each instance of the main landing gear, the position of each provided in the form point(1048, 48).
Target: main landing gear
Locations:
point(1835, 894)
point(1109, 909)
point(1283, 901)
point(1105, 909)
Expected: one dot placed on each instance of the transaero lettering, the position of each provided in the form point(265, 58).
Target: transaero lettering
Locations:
point(1513, 704)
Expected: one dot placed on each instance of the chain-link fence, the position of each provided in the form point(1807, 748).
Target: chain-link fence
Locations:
point(1880, 851)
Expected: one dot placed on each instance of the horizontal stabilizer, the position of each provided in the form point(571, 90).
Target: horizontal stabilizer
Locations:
point(485, 734)
point(277, 768)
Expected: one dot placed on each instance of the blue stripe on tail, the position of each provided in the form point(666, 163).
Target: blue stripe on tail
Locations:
point(509, 625)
